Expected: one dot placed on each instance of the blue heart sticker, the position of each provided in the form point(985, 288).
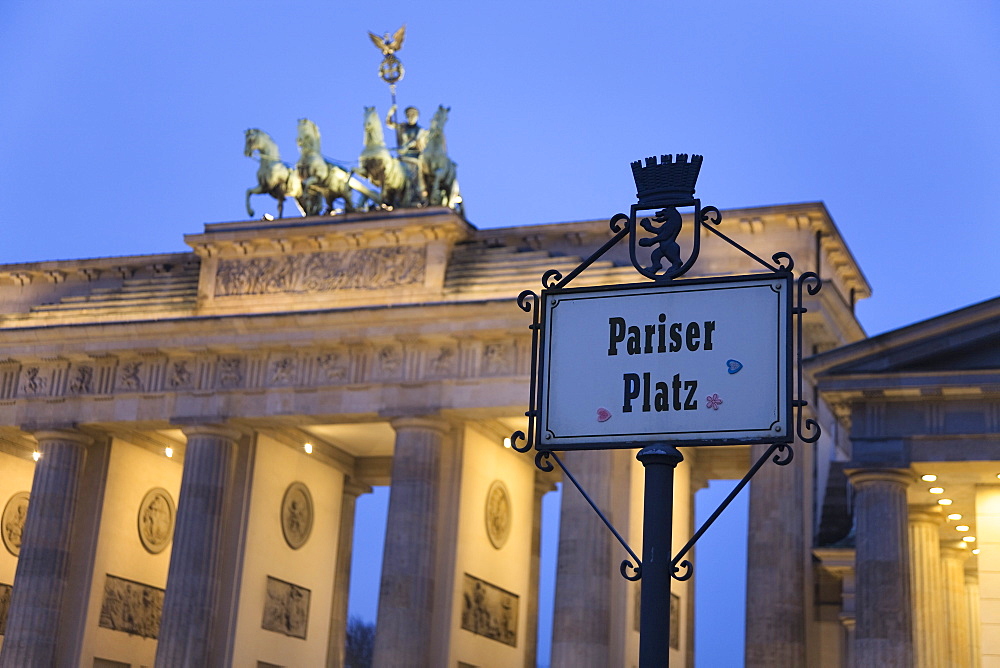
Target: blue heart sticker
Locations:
point(734, 366)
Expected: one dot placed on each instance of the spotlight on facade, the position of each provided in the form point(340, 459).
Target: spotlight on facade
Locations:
point(928, 477)
point(936, 490)
point(969, 539)
point(168, 451)
point(955, 516)
point(506, 442)
point(36, 455)
point(945, 502)
point(962, 527)
point(308, 447)
point(975, 551)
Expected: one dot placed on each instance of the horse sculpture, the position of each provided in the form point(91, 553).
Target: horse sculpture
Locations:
point(397, 179)
point(323, 180)
point(274, 177)
point(437, 170)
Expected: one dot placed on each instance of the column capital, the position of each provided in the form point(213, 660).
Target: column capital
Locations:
point(218, 430)
point(543, 484)
point(955, 550)
point(65, 435)
point(430, 422)
point(355, 488)
point(865, 476)
point(929, 513)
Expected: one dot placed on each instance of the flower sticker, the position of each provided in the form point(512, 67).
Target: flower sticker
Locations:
point(603, 415)
point(713, 401)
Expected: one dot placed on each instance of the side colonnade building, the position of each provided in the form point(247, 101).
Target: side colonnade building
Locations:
point(390, 342)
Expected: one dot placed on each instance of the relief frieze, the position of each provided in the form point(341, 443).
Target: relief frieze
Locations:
point(497, 358)
point(33, 383)
point(332, 367)
point(131, 607)
point(359, 269)
point(489, 611)
point(286, 608)
point(283, 370)
point(129, 379)
point(230, 372)
point(179, 375)
point(387, 361)
point(5, 593)
point(83, 380)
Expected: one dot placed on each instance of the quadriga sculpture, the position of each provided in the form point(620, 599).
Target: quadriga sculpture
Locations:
point(397, 179)
point(274, 177)
point(322, 180)
point(437, 170)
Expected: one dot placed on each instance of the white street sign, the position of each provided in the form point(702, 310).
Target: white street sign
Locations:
point(698, 362)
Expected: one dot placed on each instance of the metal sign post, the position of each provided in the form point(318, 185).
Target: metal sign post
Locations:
point(663, 364)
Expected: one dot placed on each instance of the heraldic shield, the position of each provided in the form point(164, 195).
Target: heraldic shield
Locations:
point(663, 188)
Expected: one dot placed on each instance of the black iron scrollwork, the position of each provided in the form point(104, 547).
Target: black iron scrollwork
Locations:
point(664, 195)
point(676, 573)
point(810, 431)
point(780, 258)
point(711, 214)
point(782, 458)
point(528, 301)
point(636, 563)
point(616, 222)
point(627, 566)
point(542, 460)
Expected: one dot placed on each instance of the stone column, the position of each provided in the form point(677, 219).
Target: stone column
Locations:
point(581, 624)
point(193, 581)
point(972, 596)
point(883, 630)
point(342, 573)
point(33, 622)
point(776, 604)
point(542, 486)
point(849, 639)
point(406, 597)
point(848, 618)
point(929, 646)
point(956, 605)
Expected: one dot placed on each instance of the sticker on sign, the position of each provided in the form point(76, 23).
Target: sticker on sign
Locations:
point(697, 362)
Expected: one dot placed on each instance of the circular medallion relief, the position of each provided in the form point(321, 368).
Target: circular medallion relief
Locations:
point(296, 515)
point(156, 520)
point(498, 514)
point(12, 522)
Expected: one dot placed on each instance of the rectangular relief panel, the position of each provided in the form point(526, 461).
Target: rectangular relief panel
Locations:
point(286, 609)
point(131, 607)
point(489, 611)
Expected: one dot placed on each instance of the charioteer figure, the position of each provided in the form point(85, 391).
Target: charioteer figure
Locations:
point(410, 136)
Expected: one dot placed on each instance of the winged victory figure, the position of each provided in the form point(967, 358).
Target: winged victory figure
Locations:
point(387, 44)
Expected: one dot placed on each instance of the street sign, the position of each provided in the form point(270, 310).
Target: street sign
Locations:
point(694, 362)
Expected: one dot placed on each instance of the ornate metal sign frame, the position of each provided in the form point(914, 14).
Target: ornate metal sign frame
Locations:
point(663, 187)
point(661, 422)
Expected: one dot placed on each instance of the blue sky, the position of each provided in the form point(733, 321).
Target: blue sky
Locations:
point(121, 123)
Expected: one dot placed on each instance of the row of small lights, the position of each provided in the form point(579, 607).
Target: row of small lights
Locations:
point(930, 477)
point(169, 452)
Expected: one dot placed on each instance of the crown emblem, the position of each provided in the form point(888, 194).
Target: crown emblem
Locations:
point(669, 181)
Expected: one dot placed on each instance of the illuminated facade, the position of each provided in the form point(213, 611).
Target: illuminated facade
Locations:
point(391, 344)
